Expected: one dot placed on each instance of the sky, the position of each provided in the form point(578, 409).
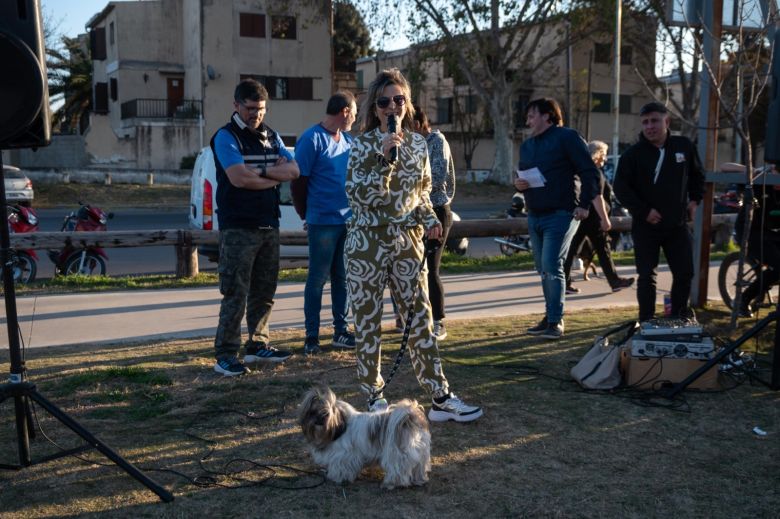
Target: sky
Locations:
point(71, 15)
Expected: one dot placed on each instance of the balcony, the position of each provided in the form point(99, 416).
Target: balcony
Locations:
point(162, 109)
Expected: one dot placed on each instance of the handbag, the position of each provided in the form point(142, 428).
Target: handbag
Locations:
point(600, 367)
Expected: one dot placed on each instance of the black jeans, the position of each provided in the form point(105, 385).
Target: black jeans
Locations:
point(435, 287)
point(677, 245)
point(600, 244)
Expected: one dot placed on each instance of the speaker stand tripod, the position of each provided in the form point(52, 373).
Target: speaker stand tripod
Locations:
point(23, 392)
point(730, 348)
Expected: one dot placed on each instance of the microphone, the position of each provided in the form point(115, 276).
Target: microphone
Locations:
point(392, 128)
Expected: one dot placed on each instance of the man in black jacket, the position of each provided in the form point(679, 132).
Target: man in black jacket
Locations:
point(661, 182)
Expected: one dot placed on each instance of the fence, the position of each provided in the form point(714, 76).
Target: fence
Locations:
point(186, 241)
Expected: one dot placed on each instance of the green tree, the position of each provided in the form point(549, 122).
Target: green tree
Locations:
point(351, 39)
point(70, 83)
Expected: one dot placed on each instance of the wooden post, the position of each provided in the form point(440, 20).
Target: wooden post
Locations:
point(186, 256)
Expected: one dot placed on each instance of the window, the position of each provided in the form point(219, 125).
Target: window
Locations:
point(101, 98)
point(360, 80)
point(602, 103)
point(251, 25)
point(520, 105)
point(283, 27)
point(602, 52)
point(472, 102)
point(285, 87)
point(114, 89)
point(289, 140)
point(111, 33)
point(443, 110)
point(97, 43)
point(626, 54)
point(300, 88)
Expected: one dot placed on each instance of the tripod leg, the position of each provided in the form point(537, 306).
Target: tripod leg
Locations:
point(22, 408)
point(104, 449)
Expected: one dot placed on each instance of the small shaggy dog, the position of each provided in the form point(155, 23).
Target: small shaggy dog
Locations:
point(345, 440)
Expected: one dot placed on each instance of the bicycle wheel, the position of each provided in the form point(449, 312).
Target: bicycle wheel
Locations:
point(92, 264)
point(507, 249)
point(727, 276)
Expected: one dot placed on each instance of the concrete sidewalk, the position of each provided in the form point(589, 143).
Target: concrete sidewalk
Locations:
point(143, 315)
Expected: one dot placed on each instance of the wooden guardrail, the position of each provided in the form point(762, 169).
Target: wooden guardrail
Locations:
point(186, 240)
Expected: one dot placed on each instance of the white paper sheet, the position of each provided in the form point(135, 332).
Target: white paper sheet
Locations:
point(533, 176)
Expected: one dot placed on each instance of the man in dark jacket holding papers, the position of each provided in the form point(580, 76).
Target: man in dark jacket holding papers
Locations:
point(661, 182)
point(560, 156)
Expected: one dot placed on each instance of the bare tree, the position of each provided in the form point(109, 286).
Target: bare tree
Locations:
point(500, 46)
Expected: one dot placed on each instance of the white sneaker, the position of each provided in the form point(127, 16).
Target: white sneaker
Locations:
point(453, 409)
point(439, 331)
point(577, 265)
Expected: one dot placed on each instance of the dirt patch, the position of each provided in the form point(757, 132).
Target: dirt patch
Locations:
point(113, 196)
point(543, 449)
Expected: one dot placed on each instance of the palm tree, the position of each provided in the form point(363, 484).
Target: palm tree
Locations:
point(70, 83)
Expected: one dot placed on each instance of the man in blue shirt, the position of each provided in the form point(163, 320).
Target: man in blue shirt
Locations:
point(320, 199)
point(554, 208)
point(251, 162)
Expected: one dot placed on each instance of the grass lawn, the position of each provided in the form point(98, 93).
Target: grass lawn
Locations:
point(543, 449)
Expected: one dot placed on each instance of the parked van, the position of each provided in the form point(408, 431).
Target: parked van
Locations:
point(203, 207)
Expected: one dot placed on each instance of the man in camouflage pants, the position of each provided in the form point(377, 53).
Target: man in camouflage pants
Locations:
point(251, 162)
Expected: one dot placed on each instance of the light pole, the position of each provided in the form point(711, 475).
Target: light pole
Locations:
point(616, 89)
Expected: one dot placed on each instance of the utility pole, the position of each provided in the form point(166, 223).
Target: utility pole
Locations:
point(616, 90)
point(712, 18)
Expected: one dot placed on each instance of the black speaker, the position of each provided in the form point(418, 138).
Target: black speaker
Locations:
point(24, 92)
point(772, 145)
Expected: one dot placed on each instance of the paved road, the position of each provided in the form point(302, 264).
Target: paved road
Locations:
point(145, 315)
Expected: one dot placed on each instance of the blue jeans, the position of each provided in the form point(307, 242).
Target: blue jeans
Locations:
point(551, 235)
point(326, 260)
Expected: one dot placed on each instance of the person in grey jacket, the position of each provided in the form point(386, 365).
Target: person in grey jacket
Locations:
point(556, 207)
point(442, 192)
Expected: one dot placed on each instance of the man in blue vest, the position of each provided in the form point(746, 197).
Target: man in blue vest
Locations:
point(251, 162)
point(320, 199)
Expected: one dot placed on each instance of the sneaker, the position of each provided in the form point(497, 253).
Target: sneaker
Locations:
point(745, 311)
point(311, 346)
point(453, 409)
point(344, 340)
point(622, 283)
point(261, 352)
point(439, 331)
point(379, 404)
point(571, 289)
point(230, 367)
point(539, 329)
point(554, 331)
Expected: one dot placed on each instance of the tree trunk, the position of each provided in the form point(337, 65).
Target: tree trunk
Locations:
point(501, 113)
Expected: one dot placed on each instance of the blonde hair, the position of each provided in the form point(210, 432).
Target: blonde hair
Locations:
point(596, 146)
point(368, 117)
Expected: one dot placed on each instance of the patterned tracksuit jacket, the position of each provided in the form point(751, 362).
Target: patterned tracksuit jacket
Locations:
point(391, 209)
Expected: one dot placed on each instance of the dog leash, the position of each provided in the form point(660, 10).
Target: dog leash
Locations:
point(430, 247)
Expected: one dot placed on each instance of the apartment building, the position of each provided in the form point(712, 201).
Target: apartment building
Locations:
point(580, 79)
point(164, 73)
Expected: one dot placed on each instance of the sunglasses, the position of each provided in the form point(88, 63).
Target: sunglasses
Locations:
point(384, 102)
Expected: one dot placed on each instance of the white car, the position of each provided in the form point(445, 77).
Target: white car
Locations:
point(18, 188)
point(203, 207)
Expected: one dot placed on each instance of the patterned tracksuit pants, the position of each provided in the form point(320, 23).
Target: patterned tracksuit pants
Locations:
point(390, 255)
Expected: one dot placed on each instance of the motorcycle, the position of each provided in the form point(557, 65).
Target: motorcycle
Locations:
point(24, 262)
point(89, 261)
point(514, 243)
